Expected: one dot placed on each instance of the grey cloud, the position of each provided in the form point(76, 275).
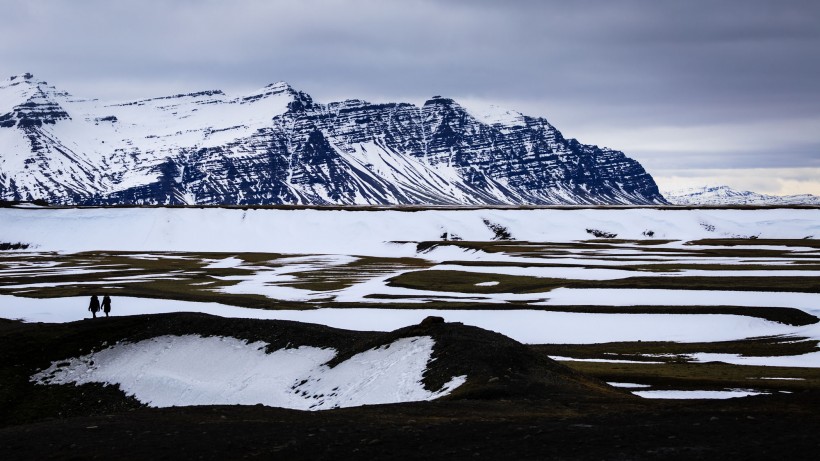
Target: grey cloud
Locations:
point(582, 64)
point(784, 156)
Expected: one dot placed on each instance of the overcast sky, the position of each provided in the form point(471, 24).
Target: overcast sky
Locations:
point(700, 92)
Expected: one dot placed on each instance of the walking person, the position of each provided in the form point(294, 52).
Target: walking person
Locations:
point(106, 304)
point(94, 307)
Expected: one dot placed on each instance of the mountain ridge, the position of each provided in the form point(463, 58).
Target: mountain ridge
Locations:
point(725, 195)
point(278, 146)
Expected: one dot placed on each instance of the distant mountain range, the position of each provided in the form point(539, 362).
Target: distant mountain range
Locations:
point(277, 146)
point(724, 195)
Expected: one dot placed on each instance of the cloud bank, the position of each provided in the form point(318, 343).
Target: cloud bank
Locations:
point(677, 85)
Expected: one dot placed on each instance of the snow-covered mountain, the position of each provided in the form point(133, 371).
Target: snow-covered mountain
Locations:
point(277, 146)
point(724, 195)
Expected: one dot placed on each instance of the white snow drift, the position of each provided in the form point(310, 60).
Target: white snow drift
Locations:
point(193, 370)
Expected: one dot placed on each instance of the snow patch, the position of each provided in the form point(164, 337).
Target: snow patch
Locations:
point(629, 385)
point(669, 394)
point(226, 263)
point(810, 360)
point(193, 370)
point(572, 359)
point(486, 284)
point(784, 379)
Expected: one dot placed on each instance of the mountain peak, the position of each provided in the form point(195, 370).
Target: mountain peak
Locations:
point(439, 100)
point(272, 89)
point(280, 85)
point(24, 76)
point(275, 88)
point(28, 82)
point(15, 80)
point(32, 100)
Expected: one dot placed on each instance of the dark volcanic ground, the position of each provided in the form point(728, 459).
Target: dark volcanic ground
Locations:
point(516, 404)
point(752, 428)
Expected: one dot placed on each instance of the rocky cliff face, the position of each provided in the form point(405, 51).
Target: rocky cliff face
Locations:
point(278, 146)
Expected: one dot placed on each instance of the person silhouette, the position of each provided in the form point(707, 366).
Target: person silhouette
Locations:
point(94, 306)
point(106, 304)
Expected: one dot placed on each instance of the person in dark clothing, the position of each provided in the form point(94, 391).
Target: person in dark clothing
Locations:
point(94, 307)
point(106, 304)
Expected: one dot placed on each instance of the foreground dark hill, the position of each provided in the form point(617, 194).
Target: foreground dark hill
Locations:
point(278, 146)
point(515, 405)
point(496, 367)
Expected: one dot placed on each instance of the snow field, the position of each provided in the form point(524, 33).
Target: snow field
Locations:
point(349, 232)
point(333, 238)
point(193, 370)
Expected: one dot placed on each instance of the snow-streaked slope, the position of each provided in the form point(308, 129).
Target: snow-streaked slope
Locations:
point(92, 147)
point(276, 146)
point(193, 370)
point(724, 195)
point(351, 232)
